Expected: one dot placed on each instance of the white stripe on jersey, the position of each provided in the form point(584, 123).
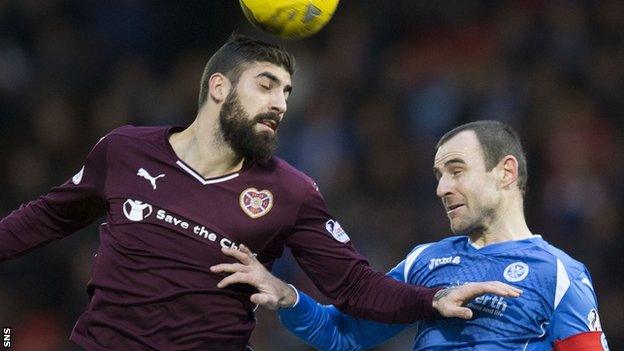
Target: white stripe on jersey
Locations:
point(563, 282)
point(588, 283)
point(409, 261)
point(201, 179)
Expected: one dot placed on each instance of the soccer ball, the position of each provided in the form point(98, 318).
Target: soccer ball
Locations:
point(289, 19)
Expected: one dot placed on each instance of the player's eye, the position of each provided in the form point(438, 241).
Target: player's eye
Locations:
point(264, 83)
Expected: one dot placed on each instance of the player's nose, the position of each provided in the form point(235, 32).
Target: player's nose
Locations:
point(444, 187)
point(278, 103)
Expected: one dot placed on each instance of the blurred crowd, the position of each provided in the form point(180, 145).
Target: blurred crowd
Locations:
point(372, 94)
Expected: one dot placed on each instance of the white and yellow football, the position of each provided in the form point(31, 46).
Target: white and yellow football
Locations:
point(289, 19)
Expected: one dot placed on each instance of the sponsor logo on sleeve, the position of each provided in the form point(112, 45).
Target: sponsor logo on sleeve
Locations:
point(593, 320)
point(256, 203)
point(76, 179)
point(516, 272)
point(334, 228)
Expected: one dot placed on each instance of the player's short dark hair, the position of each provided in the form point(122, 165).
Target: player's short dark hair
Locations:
point(238, 51)
point(497, 140)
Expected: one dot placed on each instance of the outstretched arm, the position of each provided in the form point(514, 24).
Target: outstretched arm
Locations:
point(322, 249)
point(324, 327)
point(274, 293)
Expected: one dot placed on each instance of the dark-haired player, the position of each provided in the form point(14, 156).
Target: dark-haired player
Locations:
point(174, 196)
point(482, 174)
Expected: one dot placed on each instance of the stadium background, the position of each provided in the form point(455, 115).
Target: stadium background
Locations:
point(373, 92)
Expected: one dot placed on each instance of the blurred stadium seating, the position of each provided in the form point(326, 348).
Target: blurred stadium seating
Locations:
point(373, 92)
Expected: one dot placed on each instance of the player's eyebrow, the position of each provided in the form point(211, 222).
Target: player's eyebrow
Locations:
point(454, 160)
point(273, 78)
point(436, 171)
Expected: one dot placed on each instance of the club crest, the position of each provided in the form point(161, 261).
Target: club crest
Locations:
point(256, 203)
point(516, 272)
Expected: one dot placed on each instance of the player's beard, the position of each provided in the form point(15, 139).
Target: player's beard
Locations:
point(238, 131)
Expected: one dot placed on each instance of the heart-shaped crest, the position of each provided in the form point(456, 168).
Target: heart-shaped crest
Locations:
point(256, 203)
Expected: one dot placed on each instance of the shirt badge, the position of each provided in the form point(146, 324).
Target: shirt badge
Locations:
point(593, 321)
point(143, 173)
point(76, 179)
point(334, 228)
point(136, 210)
point(256, 203)
point(516, 272)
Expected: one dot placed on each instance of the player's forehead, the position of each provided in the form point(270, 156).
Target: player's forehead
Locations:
point(464, 146)
point(260, 69)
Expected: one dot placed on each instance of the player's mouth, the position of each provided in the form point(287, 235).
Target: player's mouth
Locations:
point(452, 209)
point(271, 124)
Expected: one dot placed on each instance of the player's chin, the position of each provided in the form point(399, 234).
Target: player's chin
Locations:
point(265, 137)
point(457, 226)
point(263, 147)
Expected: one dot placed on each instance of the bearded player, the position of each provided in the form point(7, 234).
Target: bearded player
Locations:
point(173, 197)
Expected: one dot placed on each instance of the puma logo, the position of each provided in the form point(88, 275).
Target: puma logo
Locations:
point(143, 173)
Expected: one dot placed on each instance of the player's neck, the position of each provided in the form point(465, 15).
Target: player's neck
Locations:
point(508, 224)
point(202, 147)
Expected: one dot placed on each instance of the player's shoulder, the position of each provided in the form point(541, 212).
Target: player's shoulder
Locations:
point(559, 258)
point(452, 240)
point(446, 245)
point(428, 251)
point(151, 133)
point(288, 175)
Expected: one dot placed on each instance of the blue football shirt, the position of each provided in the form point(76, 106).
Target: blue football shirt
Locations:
point(558, 300)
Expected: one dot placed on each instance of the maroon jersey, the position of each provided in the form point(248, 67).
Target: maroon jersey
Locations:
point(151, 287)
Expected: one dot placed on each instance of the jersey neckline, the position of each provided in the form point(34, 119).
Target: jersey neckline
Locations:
point(504, 245)
point(192, 172)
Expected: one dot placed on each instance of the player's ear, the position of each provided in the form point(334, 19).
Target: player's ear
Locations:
point(508, 171)
point(218, 87)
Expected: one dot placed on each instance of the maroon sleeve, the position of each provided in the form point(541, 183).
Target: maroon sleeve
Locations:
point(324, 252)
point(64, 210)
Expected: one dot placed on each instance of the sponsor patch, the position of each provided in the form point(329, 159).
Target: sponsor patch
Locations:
point(435, 262)
point(593, 320)
point(334, 228)
point(76, 179)
point(136, 210)
point(256, 203)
